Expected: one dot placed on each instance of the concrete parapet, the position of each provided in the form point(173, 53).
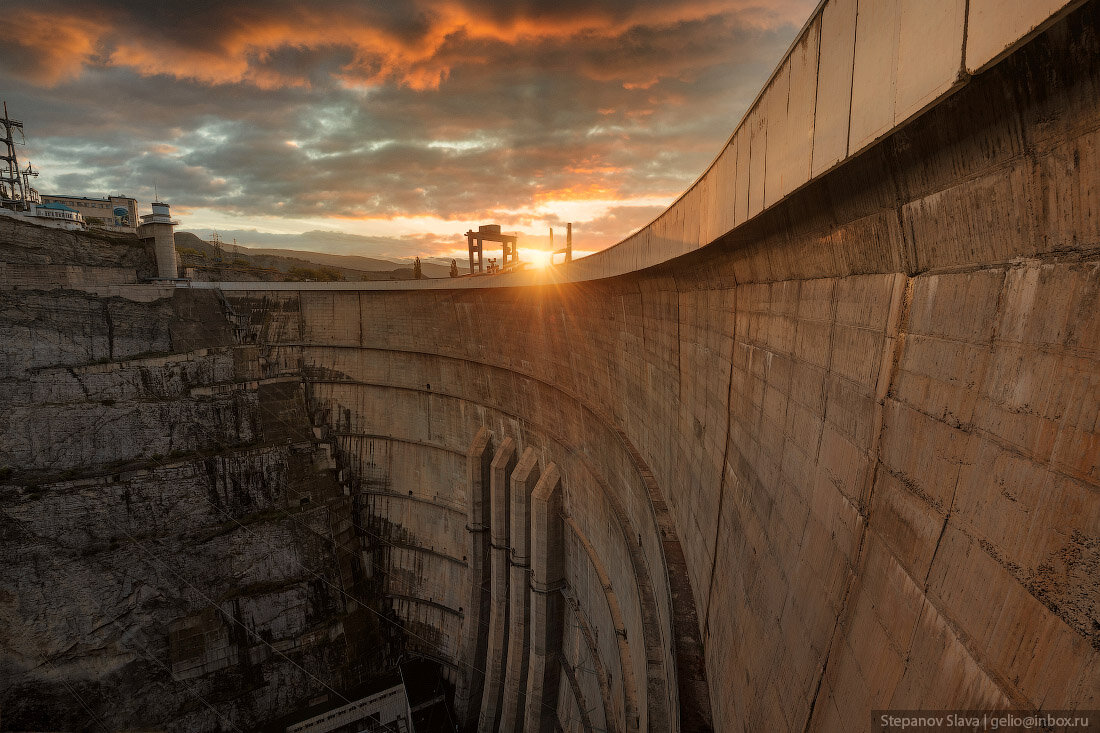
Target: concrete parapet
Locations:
point(547, 576)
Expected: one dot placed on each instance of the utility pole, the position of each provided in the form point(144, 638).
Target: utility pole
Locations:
point(568, 249)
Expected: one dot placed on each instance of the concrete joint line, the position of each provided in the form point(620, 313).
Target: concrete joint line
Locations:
point(893, 345)
point(722, 469)
point(546, 590)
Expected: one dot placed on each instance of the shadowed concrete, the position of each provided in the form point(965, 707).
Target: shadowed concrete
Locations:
point(547, 577)
point(497, 650)
point(524, 479)
point(475, 630)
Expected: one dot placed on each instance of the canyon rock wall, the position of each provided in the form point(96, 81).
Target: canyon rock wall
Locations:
point(179, 552)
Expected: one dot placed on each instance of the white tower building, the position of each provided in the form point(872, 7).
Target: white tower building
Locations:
point(159, 227)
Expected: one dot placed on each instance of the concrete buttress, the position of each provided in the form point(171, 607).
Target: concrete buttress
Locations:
point(547, 576)
point(524, 478)
point(474, 626)
point(500, 471)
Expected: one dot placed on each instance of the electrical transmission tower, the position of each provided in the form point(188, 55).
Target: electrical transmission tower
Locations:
point(16, 191)
point(219, 250)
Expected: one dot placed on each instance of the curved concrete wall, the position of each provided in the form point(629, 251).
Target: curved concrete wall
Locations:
point(854, 440)
point(402, 418)
point(856, 73)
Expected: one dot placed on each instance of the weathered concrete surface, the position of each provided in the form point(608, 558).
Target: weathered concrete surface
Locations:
point(866, 419)
point(385, 394)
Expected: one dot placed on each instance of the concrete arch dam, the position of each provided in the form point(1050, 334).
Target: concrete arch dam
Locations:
point(822, 439)
point(841, 457)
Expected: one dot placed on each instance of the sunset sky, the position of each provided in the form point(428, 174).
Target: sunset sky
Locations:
point(388, 128)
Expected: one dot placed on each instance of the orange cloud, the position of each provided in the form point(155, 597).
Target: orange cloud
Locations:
point(543, 118)
point(233, 41)
point(593, 167)
point(47, 49)
point(578, 192)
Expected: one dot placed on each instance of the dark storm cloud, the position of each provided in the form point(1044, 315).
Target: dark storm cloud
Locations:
point(449, 108)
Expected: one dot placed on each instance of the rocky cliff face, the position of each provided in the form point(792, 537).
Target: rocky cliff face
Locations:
point(23, 243)
point(180, 553)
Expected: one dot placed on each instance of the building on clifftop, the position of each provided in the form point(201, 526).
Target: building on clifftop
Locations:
point(64, 216)
point(114, 213)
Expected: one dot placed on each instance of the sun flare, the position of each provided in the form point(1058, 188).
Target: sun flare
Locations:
point(539, 258)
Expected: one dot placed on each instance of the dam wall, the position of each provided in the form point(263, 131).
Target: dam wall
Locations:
point(821, 439)
point(854, 440)
point(403, 419)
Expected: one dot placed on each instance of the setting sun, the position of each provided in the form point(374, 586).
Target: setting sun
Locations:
point(537, 257)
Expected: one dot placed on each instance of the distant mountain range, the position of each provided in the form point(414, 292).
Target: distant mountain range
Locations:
point(350, 267)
